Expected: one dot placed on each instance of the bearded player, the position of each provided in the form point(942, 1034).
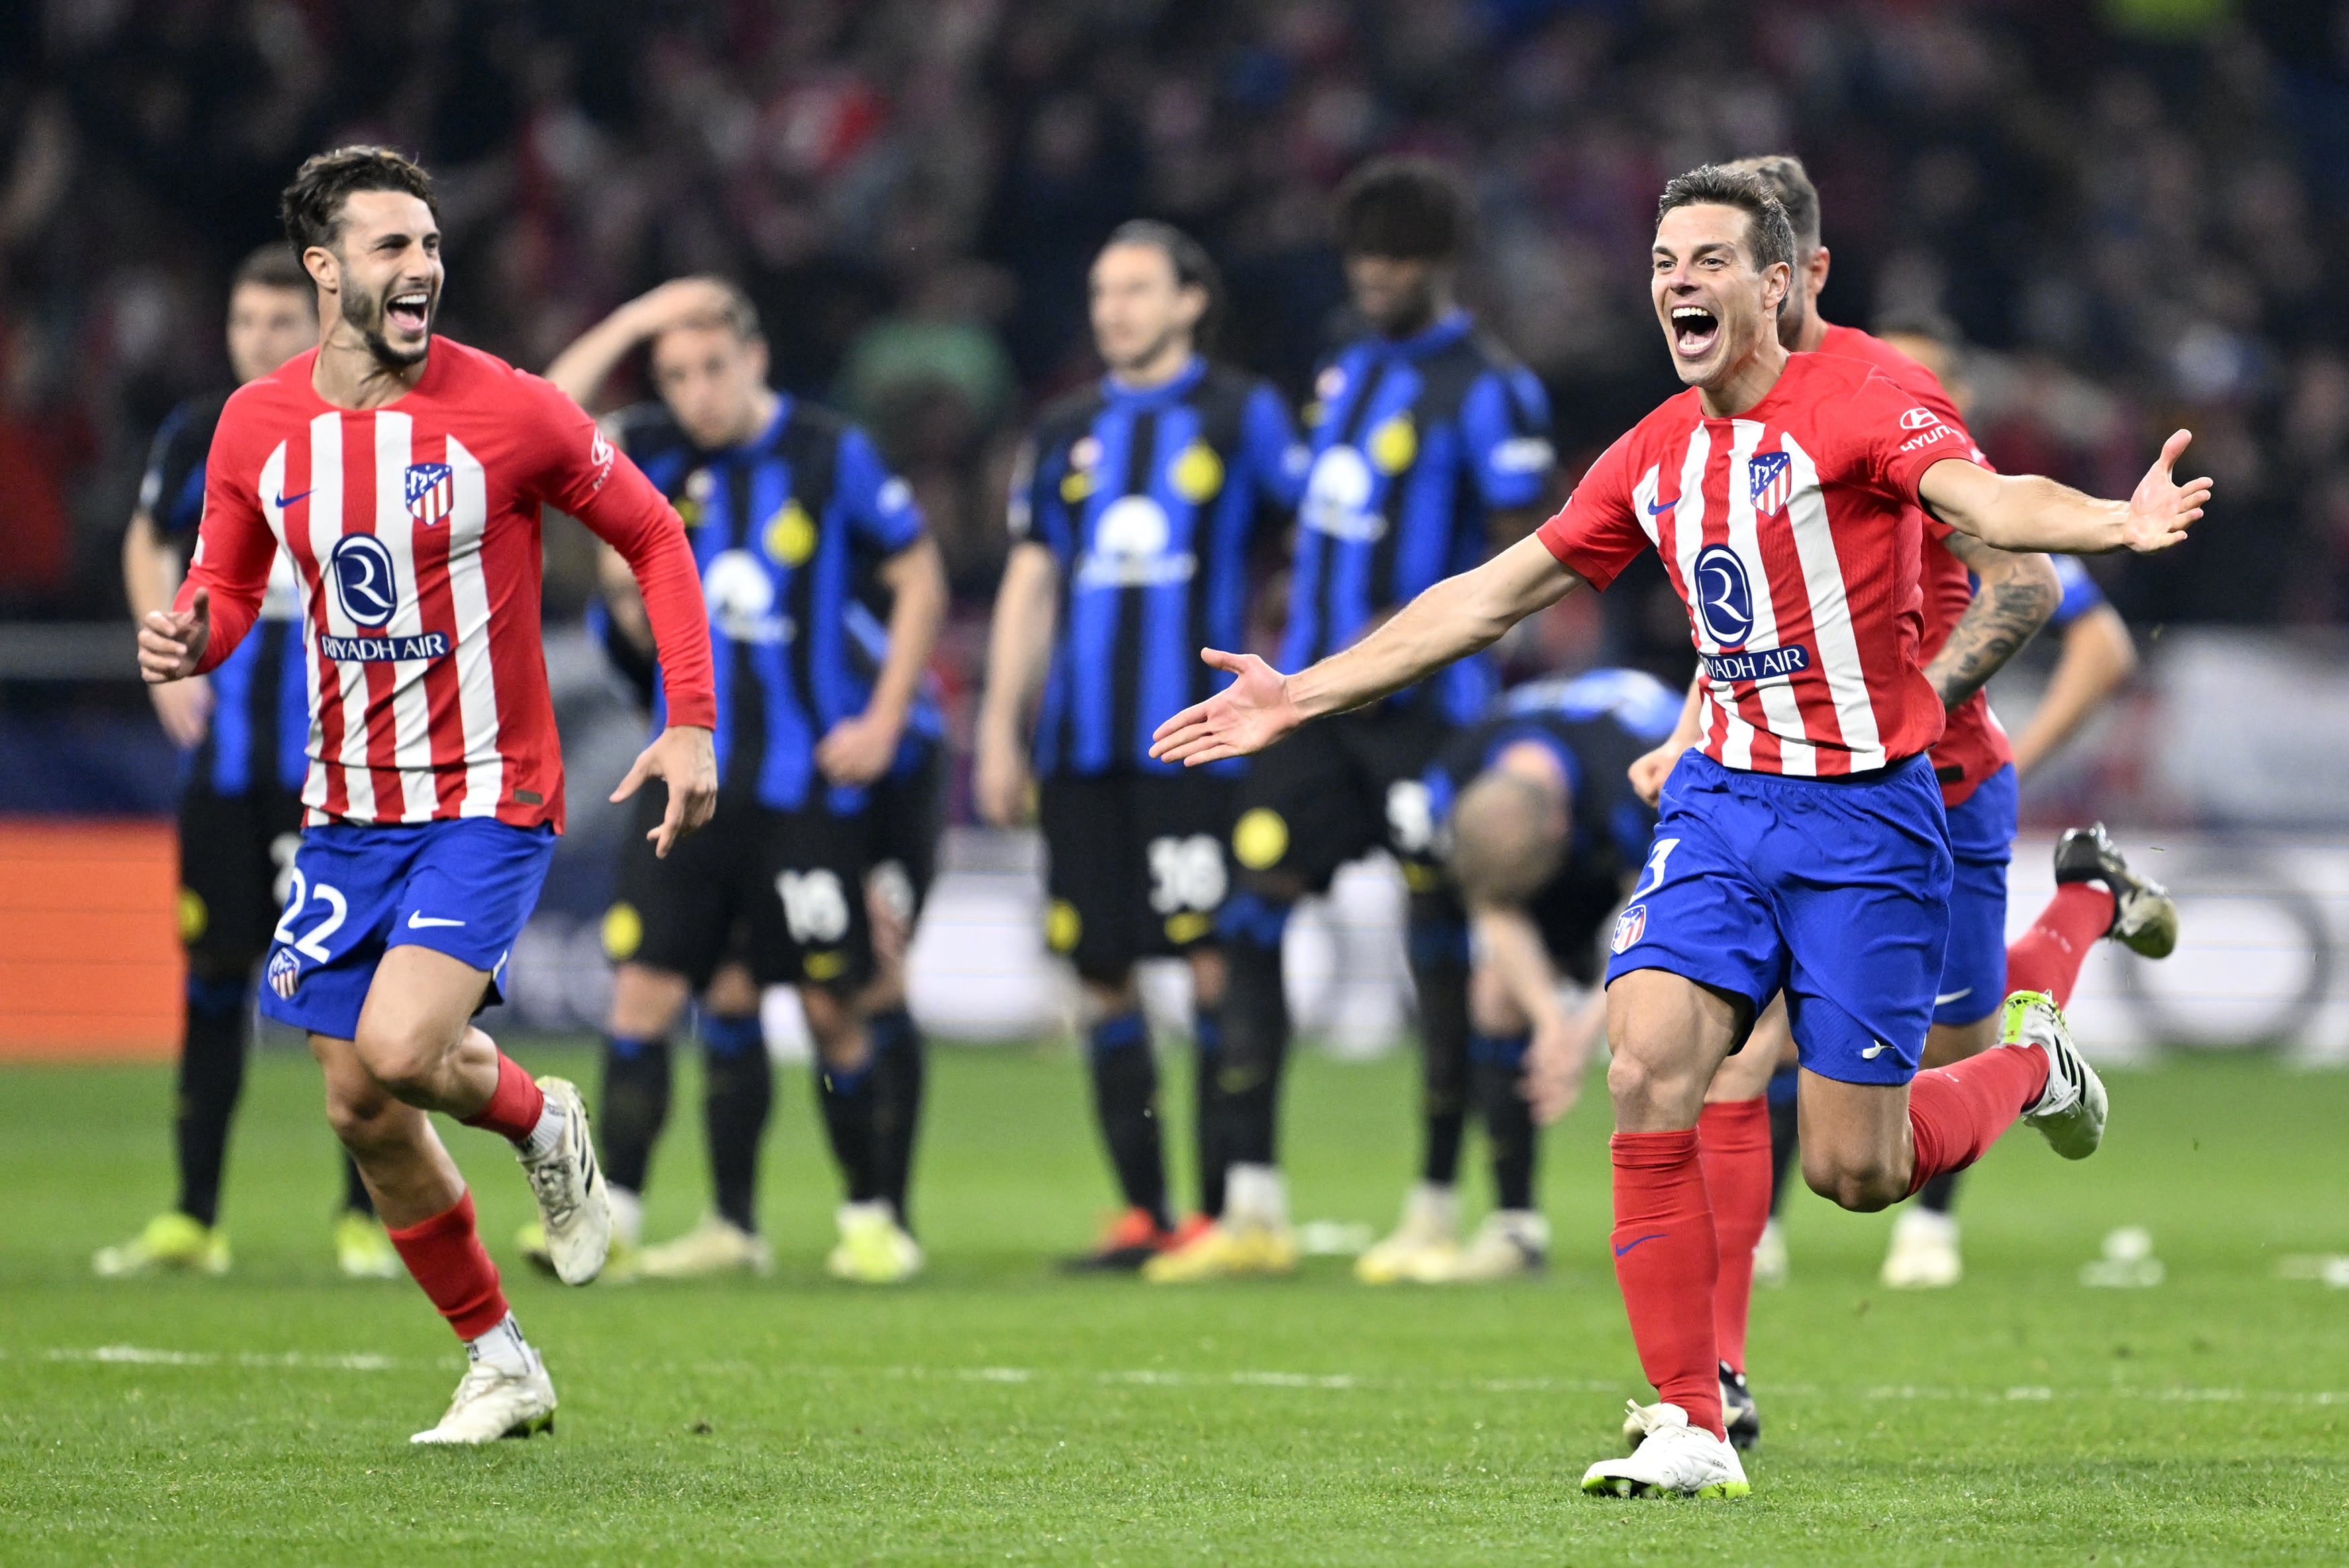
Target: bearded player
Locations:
point(1804, 849)
point(404, 473)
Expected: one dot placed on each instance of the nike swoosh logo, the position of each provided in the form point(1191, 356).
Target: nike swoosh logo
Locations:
point(418, 922)
point(285, 501)
point(1874, 1051)
point(1655, 508)
point(1627, 1246)
point(1961, 991)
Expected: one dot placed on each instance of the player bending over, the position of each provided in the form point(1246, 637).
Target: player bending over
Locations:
point(1541, 836)
point(825, 596)
point(1430, 447)
point(245, 729)
point(404, 474)
point(1804, 849)
point(1141, 505)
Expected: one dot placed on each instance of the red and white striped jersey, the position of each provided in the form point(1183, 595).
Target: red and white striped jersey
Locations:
point(1972, 747)
point(414, 530)
point(1792, 533)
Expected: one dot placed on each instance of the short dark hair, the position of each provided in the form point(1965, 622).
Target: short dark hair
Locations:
point(1412, 209)
point(274, 267)
point(1194, 268)
point(1768, 235)
point(1789, 181)
point(312, 207)
point(737, 314)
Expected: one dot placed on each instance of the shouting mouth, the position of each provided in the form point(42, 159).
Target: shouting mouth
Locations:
point(406, 311)
point(1694, 331)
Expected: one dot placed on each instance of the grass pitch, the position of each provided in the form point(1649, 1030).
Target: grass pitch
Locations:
point(996, 1412)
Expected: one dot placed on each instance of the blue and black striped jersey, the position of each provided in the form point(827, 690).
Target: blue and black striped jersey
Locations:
point(790, 529)
point(259, 735)
point(1414, 442)
point(1149, 502)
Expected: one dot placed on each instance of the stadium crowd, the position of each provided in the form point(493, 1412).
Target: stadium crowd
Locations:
point(2120, 204)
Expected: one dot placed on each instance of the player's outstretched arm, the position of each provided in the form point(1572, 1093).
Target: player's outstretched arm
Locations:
point(2024, 511)
point(1458, 616)
point(1019, 647)
point(2018, 592)
point(858, 750)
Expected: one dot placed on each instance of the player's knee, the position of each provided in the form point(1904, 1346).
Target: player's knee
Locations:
point(360, 1113)
point(834, 1025)
point(1863, 1184)
point(406, 1060)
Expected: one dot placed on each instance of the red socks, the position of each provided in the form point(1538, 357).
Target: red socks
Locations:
point(1957, 1112)
point(2048, 957)
point(1733, 1142)
point(514, 1105)
point(1667, 1262)
point(445, 1254)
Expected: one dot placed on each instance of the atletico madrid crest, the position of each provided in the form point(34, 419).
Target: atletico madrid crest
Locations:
point(1773, 482)
point(431, 492)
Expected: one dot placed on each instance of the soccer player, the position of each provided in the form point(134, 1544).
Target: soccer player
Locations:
point(243, 729)
point(825, 598)
point(404, 474)
point(1430, 447)
point(1139, 506)
point(1540, 834)
point(1804, 849)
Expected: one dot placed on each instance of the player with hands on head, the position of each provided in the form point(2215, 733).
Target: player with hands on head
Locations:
point(824, 595)
point(1776, 488)
point(405, 474)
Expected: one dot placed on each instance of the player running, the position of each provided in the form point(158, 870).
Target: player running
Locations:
point(1804, 849)
point(1140, 505)
point(1429, 447)
point(404, 474)
point(824, 597)
point(1541, 836)
point(243, 729)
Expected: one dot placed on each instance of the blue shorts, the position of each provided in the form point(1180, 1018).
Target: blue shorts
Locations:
point(1973, 966)
point(1836, 893)
point(463, 888)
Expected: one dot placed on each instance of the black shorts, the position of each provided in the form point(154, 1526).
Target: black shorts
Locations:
point(1138, 868)
point(235, 853)
point(1334, 792)
point(782, 891)
point(908, 811)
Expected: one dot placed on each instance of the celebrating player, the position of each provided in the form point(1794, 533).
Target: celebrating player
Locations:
point(404, 473)
point(1537, 826)
point(1428, 446)
point(1138, 506)
point(824, 600)
point(1804, 849)
point(240, 801)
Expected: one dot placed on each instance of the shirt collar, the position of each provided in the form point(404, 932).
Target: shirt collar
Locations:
point(1184, 379)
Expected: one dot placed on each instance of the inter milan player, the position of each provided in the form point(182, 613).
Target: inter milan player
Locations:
point(824, 598)
point(404, 474)
point(1139, 504)
point(1804, 849)
point(1540, 834)
point(243, 729)
point(1430, 447)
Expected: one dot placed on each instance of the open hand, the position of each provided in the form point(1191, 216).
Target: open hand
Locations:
point(858, 750)
point(171, 643)
point(684, 758)
point(2161, 509)
point(1000, 778)
point(1246, 716)
point(1556, 1059)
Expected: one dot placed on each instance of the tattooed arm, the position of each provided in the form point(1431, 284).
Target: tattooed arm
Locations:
point(2017, 593)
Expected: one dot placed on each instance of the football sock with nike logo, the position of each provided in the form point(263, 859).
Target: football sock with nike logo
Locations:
point(1957, 1112)
point(1733, 1143)
point(2048, 957)
point(1668, 1263)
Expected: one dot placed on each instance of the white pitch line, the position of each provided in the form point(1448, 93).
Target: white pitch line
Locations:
point(299, 1361)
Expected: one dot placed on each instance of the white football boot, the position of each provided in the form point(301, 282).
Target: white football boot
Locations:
point(1770, 1256)
point(571, 1192)
point(1509, 1244)
point(1673, 1459)
point(1924, 1251)
point(495, 1402)
point(1425, 1243)
point(2145, 917)
point(716, 1246)
point(2070, 1111)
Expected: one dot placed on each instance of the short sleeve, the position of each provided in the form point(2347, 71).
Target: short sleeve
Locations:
point(1595, 533)
point(1035, 514)
point(1505, 432)
point(880, 505)
point(1890, 438)
point(1276, 455)
point(2081, 593)
point(171, 489)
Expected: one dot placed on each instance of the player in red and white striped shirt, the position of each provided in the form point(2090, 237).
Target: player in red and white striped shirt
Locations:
point(1805, 850)
point(404, 475)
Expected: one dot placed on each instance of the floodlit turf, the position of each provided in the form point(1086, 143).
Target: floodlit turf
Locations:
point(993, 1412)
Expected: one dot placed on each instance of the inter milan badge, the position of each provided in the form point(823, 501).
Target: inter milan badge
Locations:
point(431, 492)
point(1773, 482)
point(1630, 926)
point(285, 973)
